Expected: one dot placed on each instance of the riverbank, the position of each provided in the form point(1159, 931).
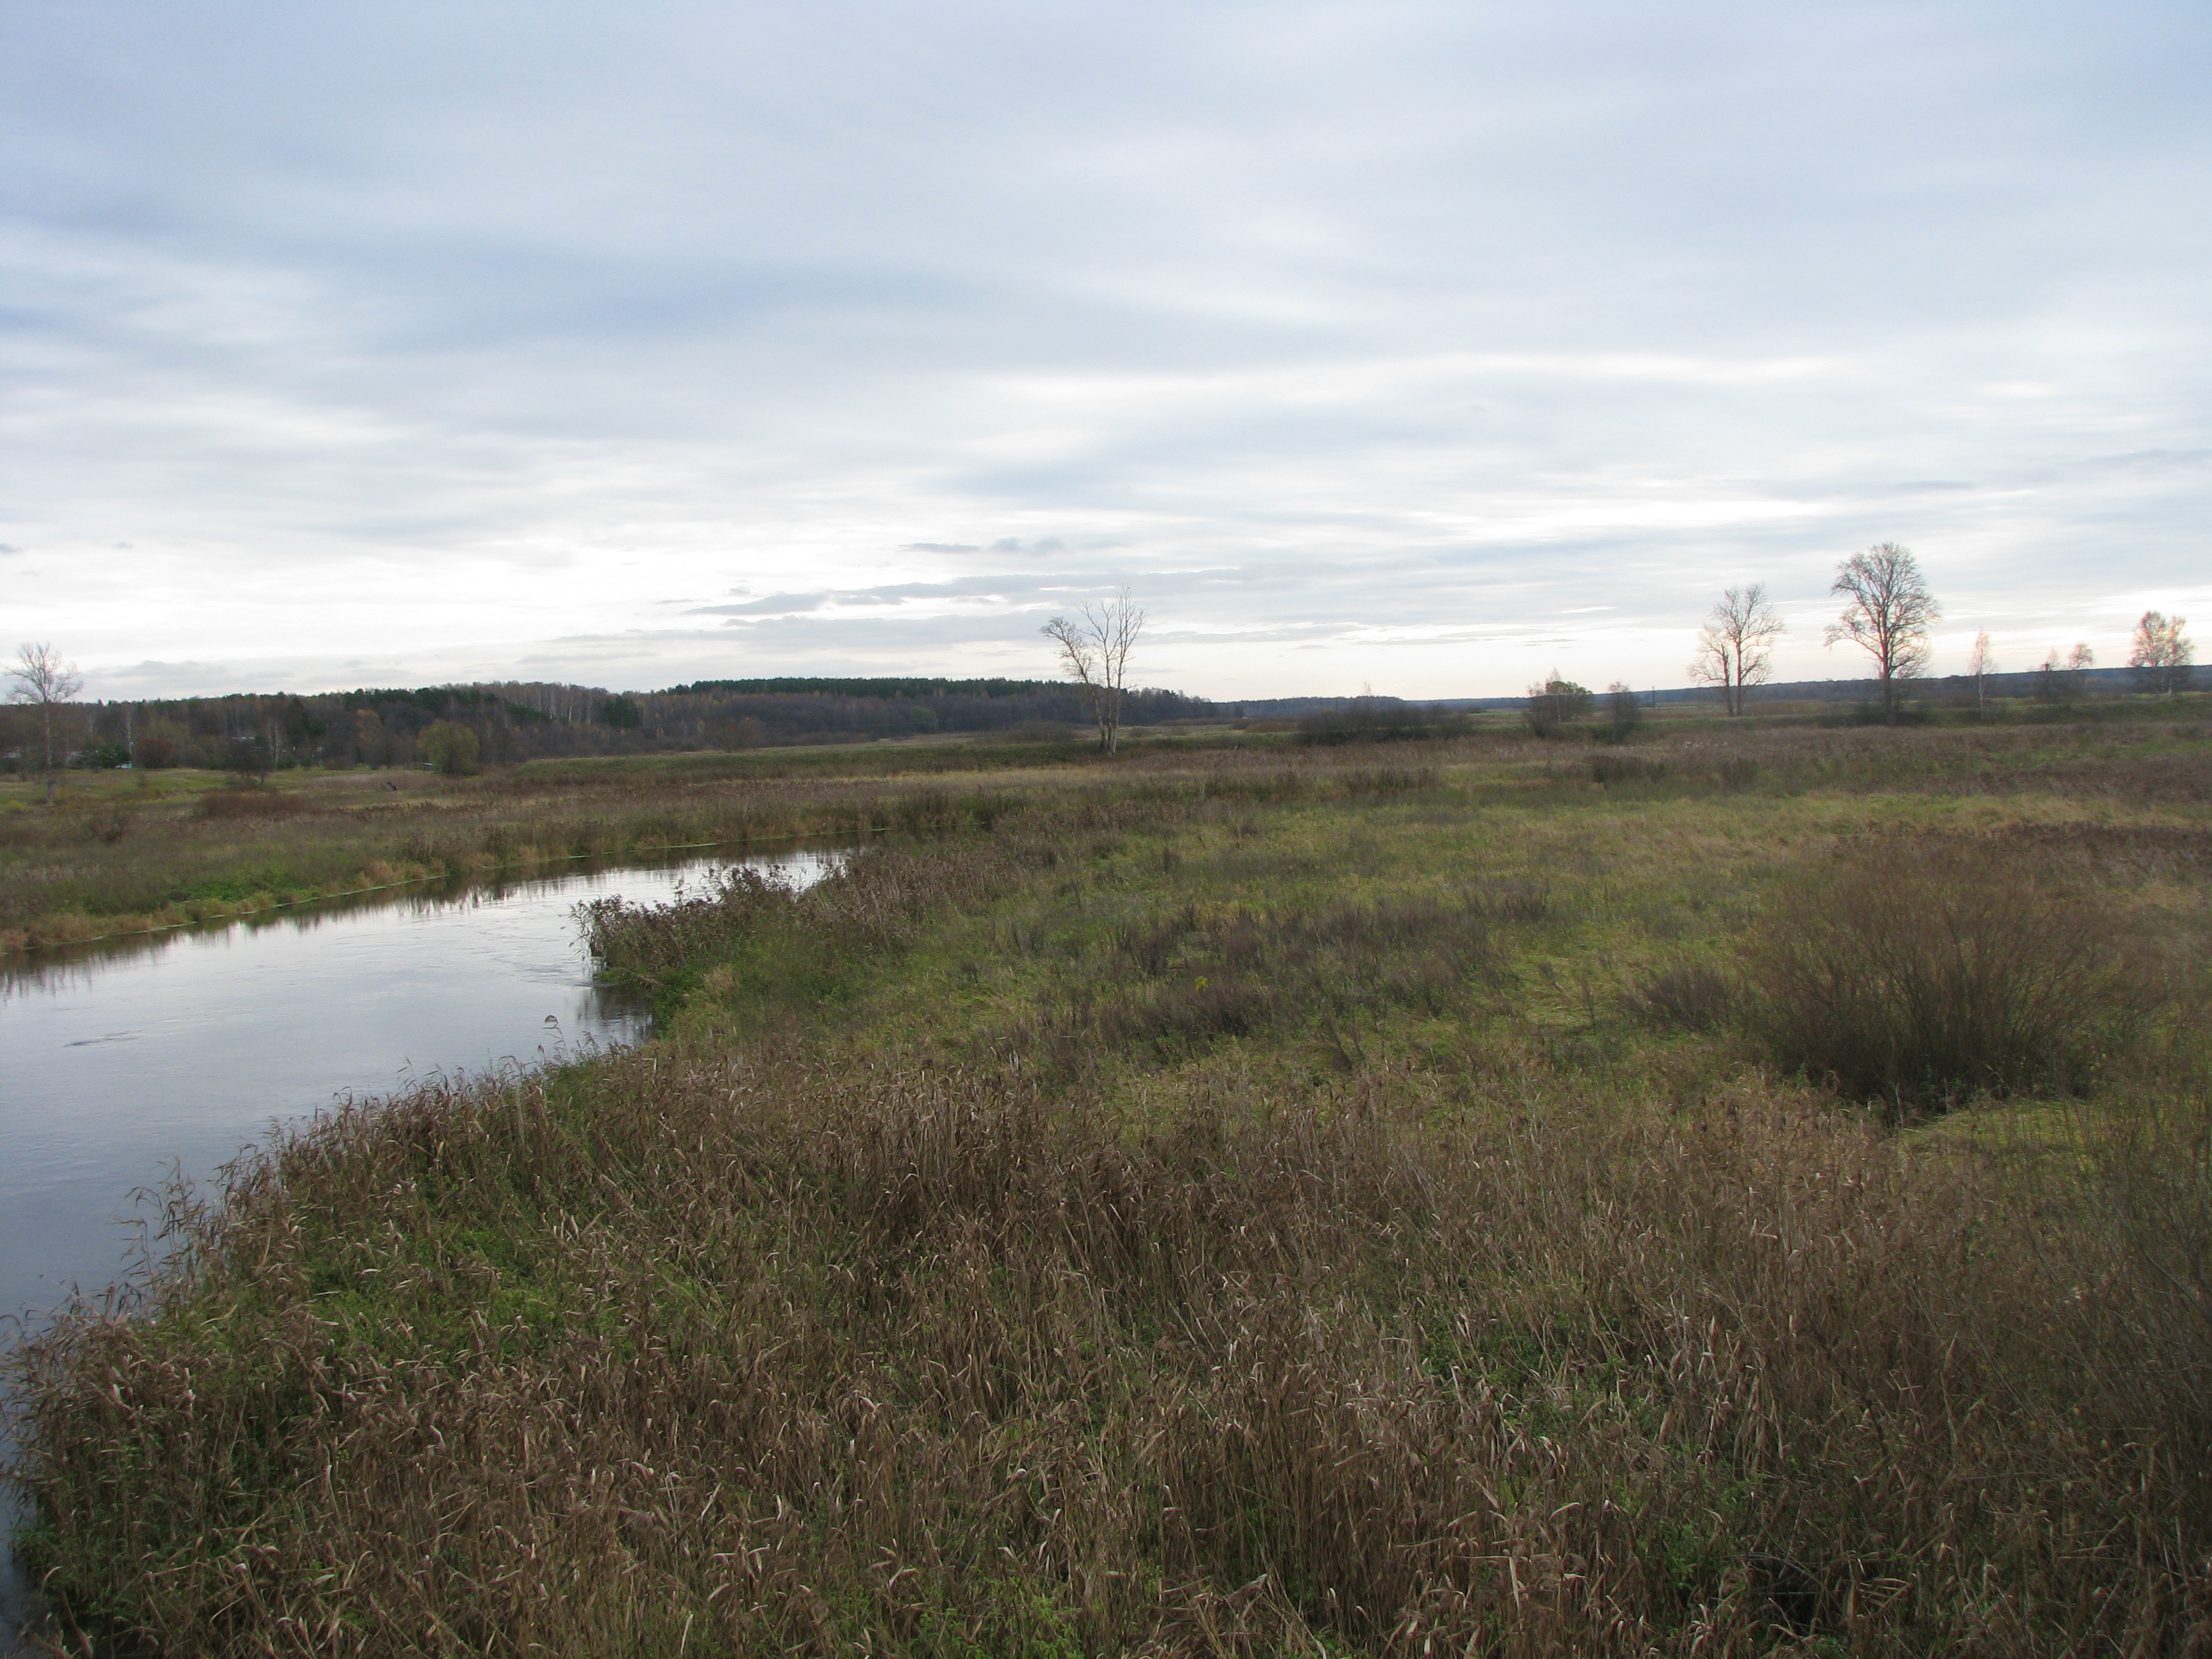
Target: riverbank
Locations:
point(124, 854)
point(1256, 1203)
point(115, 859)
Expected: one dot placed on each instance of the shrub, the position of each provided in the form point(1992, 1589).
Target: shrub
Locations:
point(1553, 703)
point(250, 804)
point(1380, 720)
point(1053, 732)
point(1622, 709)
point(449, 746)
point(1921, 974)
point(246, 760)
point(161, 743)
point(1627, 768)
point(1694, 996)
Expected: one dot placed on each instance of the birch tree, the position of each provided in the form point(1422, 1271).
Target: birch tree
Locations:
point(47, 684)
point(1735, 647)
point(2162, 653)
point(1981, 665)
point(1095, 645)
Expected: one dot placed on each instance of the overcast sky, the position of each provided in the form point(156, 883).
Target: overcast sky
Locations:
point(1416, 347)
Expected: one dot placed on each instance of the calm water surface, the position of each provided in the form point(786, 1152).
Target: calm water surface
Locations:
point(123, 1067)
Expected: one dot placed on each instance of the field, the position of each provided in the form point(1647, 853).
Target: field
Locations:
point(1738, 1191)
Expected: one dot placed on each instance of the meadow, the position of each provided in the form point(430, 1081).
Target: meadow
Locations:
point(124, 853)
point(1746, 1190)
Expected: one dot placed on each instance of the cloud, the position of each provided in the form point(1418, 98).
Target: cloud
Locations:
point(781, 604)
point(410, 336)
point(1041, 546)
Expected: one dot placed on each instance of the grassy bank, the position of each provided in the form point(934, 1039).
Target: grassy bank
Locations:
point(1256, 1203)
point(123, 853)
point(116, 858)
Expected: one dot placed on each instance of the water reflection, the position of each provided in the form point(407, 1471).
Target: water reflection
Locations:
point(584, 877)
point(123, 1058)
point(126, 1061)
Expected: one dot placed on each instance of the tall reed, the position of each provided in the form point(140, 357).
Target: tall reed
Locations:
point(748, 1356)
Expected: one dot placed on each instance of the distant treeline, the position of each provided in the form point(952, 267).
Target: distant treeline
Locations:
point(517, 721)
point(2038, 683)
point(2043, 684)
point(747, 713)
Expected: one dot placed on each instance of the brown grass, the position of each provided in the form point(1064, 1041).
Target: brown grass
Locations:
point(103, 869)
point(760, 1357)
point(1693, 996)
point(251, 804)
point(105, 865)
point(1180, 1221)
point(1923, 972)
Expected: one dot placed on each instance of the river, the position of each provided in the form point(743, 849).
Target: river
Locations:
point(126, 1064)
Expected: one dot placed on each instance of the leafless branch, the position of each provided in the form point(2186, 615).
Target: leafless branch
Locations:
point(1888, 611)
point(1095, 646)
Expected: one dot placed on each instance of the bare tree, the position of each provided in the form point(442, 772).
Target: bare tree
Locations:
point(2162, 653)
point(1094, 652)
point(45, 682)
point(1735, 649)
point(1981, 665)
point(1888, 611)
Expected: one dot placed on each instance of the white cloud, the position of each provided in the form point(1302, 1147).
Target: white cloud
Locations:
point(1379, 341)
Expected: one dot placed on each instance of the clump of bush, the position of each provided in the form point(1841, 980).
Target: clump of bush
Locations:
point(1380, 720)
point(1922, 976)
point(1627, 769)
point(1058, 732)
point(643, 944)
point(250, 803)
point(1694, 996)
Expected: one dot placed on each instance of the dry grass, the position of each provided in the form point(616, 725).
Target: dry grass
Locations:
point(251, 804)
point(115, 866)
point(1213, 1213)
point(114, 860)
point(1924, 973)
point(1693, 996)
point(711, 1356)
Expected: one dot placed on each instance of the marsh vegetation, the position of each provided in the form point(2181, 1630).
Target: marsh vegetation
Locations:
point(1741, 1193)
